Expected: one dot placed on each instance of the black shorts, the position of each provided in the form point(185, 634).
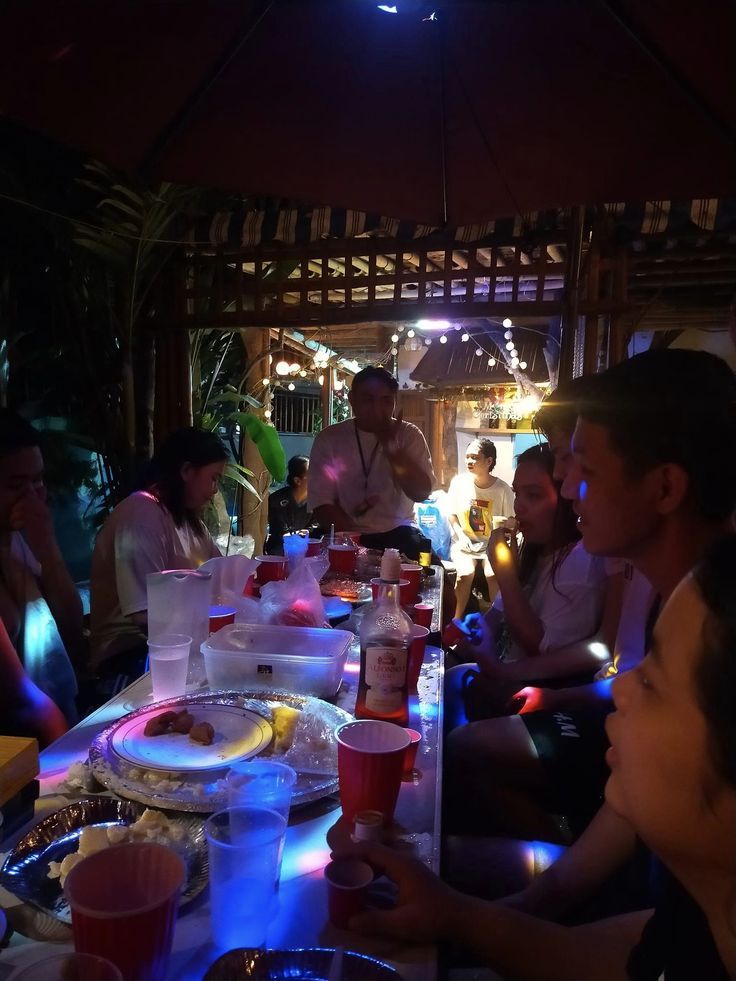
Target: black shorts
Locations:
point(572, 747)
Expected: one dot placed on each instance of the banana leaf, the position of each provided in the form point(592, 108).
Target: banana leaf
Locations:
point(267, 443)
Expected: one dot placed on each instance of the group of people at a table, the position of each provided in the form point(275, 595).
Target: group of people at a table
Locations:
point(615, 623)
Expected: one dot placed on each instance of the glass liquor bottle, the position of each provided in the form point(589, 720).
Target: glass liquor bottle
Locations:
point(385, 636)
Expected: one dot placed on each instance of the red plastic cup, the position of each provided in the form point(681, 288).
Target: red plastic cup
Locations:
point(421, 614)
point(370, 763)
point(403, 586)
point(343, 558)
point(413, 572)
point(314, 547)
point(454, 632)
point(221, 616)
point(410, 756)
point(354, 536)
point(123, 903)
point(347, 884)
point(271, 568)
point(416, 655)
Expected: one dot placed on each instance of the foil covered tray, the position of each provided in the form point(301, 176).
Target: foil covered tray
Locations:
point(310, 964)
point(313, 754)
point(25, 869)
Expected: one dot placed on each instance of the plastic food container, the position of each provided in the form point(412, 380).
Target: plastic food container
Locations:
point(301, 660)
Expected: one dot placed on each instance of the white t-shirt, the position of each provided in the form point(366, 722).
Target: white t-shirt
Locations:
point(32, 628)
point(570, 608)
point(474, 506)
point(139, 537)
point(336, 475)
point(636, 606)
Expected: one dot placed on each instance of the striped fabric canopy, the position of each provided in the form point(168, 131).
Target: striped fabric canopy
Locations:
point(276, 222)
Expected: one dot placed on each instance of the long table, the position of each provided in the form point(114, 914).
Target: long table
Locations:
point(302, 918)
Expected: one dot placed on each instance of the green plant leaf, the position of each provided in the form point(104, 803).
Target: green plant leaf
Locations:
point(267, 442)
point(232, 474)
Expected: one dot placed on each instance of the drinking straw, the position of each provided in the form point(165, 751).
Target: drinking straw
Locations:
point(332, 533)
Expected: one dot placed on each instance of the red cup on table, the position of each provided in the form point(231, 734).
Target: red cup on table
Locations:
point(421, 614)
point(370, 763)
point(417, 647)
point(271, 568)
point(314, 547)
point(343, 558)
point(410, 756)
point(411, 571)
point(347, 884)
point(403, 585)
point(221, 616)
point(123, 902)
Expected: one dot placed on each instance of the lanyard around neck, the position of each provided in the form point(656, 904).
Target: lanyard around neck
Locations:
point(366, 467)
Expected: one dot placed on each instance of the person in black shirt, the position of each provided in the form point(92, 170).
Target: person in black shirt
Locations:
point(673, 779)
point(287, 508)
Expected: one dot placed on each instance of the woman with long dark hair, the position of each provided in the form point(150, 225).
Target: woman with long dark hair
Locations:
point(550, 591)
point(157, 527)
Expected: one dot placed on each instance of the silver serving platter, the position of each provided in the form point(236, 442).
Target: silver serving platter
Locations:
point(25, 869)
point(205, 791)
point(310, 964)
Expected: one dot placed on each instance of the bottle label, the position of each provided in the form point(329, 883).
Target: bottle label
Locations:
point(385, 676)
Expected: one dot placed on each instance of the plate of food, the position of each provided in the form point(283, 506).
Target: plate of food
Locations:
point(345, 587)
point(205, 737)
point(302, 735)
point(36, 868)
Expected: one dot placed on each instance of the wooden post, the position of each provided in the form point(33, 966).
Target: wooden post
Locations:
point(571, 298)
point(327, 392)
point(252, 513)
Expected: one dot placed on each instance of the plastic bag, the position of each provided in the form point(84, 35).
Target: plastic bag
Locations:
point(229, 575)
point(294, 602)
point(431, 517)
point(235, 545)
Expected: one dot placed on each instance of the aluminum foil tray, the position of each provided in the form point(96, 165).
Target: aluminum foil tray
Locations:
point(310, 964)
point(313, 754)
point(25, 869)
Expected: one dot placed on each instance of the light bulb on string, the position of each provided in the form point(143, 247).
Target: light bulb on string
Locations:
point(282, 368)
point(294, 368)
point(443, 339)
point(514, 362)
point(508, 335)
point(321, 379)
point(394, 338)
point(491, 362)
point(514, 353)
point(303, 373)
point(479, 352)
point(507, 323)
point(394, 351)
point(428, 341)
point(509, 345)
point(400, 328)
point(267, 414)
point(522, 365)
point(410, 333)
point(465, 337)
point(458, 327)
point(291, 386)
point(266, 381)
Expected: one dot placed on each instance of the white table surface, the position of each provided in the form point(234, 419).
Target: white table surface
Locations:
point(302, 919)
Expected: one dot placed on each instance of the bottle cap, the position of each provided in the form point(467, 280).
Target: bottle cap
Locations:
point(391, 565)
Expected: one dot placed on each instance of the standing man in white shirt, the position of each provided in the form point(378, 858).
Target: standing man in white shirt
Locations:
point(366, 473)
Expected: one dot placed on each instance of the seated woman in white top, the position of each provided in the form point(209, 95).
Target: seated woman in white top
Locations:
point(157, 527)
point(550, 593)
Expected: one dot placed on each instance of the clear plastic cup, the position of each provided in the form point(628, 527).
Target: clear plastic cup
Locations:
point(168, 660)
point(295, 548)
point(261, 783)
point(245, 846)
